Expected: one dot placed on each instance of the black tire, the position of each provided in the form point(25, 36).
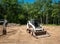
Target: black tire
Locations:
point(33, 34)
point(4, 32)
point(29, 31)
point(43, 29)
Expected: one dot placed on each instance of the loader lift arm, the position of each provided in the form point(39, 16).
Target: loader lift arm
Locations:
point(4, 23)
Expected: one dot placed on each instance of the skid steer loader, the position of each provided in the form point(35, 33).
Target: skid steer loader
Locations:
point(34, 27)
point(4, 23)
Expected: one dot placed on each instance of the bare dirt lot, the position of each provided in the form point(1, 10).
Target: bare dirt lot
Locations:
point(18, 35)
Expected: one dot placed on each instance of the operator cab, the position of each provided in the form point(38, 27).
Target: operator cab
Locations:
point(35, 22)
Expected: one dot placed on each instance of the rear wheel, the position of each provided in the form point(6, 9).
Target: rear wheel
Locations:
point(4, 32)
point(29, 31)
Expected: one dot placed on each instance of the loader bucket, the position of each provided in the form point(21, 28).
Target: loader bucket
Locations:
point(40, 33)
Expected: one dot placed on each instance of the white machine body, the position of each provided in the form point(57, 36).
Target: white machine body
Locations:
point(29, 24)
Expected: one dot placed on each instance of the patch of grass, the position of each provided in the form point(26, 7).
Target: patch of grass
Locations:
point(51, 24)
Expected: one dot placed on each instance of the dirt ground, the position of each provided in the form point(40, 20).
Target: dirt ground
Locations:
point(18, 35)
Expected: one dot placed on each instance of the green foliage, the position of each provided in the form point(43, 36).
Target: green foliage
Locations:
point(45, 11)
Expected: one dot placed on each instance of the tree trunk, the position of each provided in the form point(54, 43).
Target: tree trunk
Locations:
point(46, 19)
point(41, 20)
point(58, 21)
point(53, 20)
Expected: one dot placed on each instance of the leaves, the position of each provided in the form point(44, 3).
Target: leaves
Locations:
point(19, 12)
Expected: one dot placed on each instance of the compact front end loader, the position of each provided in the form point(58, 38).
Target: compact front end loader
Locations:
point(4, 23)
point(34, 27)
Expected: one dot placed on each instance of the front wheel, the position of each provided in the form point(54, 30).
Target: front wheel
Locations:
point(33, 33)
